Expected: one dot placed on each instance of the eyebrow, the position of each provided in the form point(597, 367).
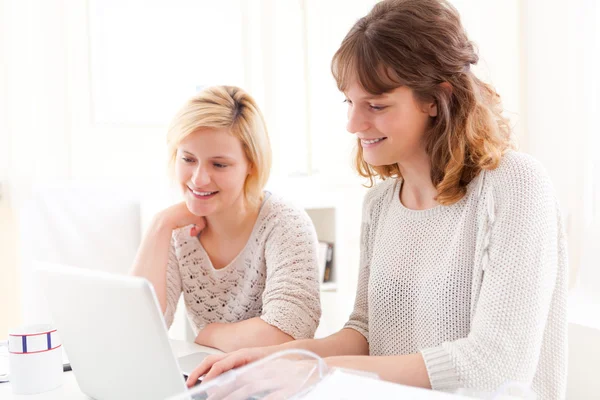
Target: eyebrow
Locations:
point(374, 97)
point(212, 158)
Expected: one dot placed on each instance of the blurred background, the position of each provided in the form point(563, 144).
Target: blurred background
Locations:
point(87, 88)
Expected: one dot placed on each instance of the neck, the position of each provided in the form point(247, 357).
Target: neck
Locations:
point(418, 191)
point(233, 221)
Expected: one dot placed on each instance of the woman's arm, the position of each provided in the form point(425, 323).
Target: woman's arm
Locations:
point(406, 369)
point(291, 298)
point(344, 342)
point(521, 303)
point(153, 256)
point(252, 332)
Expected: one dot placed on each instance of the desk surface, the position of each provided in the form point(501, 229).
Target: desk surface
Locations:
point(70, 391)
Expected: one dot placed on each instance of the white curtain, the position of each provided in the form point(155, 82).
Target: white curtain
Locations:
point(590, 262)
point(561, 59)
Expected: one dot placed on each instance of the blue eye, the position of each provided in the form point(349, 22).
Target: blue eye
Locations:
point(187, 160)
point(218, 165)
point(376, 108)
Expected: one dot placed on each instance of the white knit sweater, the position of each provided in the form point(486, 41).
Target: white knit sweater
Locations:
point(478, 287)
point(274, 277)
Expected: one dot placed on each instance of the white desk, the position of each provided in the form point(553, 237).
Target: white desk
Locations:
point(341, 386)
point(70, 391)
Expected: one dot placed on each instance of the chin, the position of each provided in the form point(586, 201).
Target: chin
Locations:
point(377, 161)
point(200, 210)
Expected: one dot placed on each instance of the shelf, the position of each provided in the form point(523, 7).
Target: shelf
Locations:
point(329, 287)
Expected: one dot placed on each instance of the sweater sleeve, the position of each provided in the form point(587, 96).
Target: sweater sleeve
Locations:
point(518, 281)
point(291, 299)
point(173, 285)
point(359, 319)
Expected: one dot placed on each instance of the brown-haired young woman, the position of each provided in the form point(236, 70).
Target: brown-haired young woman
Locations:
point(463, 260)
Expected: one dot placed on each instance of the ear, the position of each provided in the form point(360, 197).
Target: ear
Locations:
point(431, 108)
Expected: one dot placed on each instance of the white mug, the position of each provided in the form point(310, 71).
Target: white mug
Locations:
point(34, 359)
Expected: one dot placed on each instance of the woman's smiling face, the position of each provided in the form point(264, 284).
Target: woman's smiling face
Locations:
point(390, 127)
point(211, 169)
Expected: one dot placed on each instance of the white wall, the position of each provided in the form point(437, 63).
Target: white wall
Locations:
point(563, 56)
point(8, 292)
point(33, 138)
point(551, 78)
point(50, 131)
point(53, 130)
point(51, 55)
point(496, 29)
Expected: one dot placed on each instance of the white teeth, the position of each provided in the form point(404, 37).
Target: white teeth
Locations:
point(372, 141)
point(202, 193)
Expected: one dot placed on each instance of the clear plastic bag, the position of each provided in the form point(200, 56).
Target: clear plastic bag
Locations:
point(300, 374)
point(285, 375)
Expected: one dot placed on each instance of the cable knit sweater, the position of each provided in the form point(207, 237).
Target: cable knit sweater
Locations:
point(274, 277)
point(479, 287)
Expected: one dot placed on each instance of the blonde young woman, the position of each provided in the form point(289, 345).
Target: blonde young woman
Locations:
point(243, 258)
point(463, 263)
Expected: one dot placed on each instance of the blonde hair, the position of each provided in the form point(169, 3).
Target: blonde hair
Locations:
point(232, 108)
point(421, 44)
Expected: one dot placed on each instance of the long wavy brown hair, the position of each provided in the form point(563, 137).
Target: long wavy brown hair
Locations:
point(421, 44)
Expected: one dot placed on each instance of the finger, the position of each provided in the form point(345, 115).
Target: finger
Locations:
point(198, 227)
point(204, 366)
point(224, 365)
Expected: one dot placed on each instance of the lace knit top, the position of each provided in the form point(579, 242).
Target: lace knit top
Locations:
point(274, 277)
point(478, 287)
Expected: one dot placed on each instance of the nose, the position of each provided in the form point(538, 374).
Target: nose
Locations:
point(200, 177)
point(357, 121)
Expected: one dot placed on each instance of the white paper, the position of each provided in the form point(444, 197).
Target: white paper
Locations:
point(340, 385)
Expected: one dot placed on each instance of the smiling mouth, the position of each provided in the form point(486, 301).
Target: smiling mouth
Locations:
point(202, 194)
point(370, 142)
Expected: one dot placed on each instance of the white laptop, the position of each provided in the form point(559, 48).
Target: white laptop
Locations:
point(113, 332)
